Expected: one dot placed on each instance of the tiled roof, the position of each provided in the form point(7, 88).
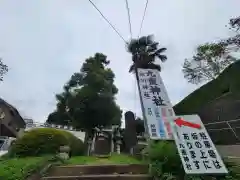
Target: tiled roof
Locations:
point(11, 107)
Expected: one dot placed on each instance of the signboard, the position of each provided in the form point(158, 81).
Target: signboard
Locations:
point(195, 147)
point(156, 104)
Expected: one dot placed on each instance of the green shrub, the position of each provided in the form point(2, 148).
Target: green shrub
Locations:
point(24, 168)
point(164, 158)
point(166, 164)
point(45, 141)
point(21, 168)
point(77, 146)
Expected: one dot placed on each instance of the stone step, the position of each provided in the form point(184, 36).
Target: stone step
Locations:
point(101, 177)
point(78, 170)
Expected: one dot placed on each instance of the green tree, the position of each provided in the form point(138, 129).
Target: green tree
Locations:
point(61, 116)
point(88, 99)
point(3, 69)
point(212, 58)
point(144, 53)
point(58, 118)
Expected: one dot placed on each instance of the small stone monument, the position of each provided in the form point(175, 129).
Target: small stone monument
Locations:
point(102, 143)
point(64, 152)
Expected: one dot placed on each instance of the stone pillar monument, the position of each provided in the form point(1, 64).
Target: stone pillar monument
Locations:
point(130, 135)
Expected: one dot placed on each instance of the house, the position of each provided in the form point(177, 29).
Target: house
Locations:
point(11, 122)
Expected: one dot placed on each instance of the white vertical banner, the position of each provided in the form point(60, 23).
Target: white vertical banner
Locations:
point(156, 104)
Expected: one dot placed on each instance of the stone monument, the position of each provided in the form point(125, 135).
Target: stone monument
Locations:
point(130, 135)
point(102, 145)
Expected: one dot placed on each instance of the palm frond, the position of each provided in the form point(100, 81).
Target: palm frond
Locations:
point(132, 45)
point(150, 39)
point(153, 66)
point(132, 68)
point(144, 51)
point(163, 58)
point(161, 50)
point(144, 41)
point(153, 47)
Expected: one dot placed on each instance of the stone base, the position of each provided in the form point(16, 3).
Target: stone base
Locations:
point(64, 156)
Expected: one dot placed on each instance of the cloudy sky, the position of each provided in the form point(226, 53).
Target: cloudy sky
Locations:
point(45, 41)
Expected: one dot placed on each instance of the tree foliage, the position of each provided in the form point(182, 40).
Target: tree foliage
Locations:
point(3, 69)
point(88, 99)
point(144, 53)
point(212, 58)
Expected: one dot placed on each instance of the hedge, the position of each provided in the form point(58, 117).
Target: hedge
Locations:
point(43, 141)
point(165, 164)
point(76, 144)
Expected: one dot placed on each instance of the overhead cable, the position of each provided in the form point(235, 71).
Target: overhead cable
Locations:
point(129, 18)
point(144, 13)
point(108, 21)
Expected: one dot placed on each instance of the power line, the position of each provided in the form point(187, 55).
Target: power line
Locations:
point(108, 21)
point(144, 13)
point(129, 19)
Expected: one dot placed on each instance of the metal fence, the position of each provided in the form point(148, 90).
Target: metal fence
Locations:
point(224, 132)
point(41, 125)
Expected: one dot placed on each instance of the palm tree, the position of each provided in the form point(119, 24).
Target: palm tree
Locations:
point(144, 53)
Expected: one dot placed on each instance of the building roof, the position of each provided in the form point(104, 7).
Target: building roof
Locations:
point(227, 81)
point(3, 102)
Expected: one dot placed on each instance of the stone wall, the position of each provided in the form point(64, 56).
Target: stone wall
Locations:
point(222, 119)
point(224, 108)
point(229, 150)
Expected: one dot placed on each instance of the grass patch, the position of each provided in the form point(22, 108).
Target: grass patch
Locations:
point(113, 159)
point(20, 168)
point(124, 159)
point(81, 160)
